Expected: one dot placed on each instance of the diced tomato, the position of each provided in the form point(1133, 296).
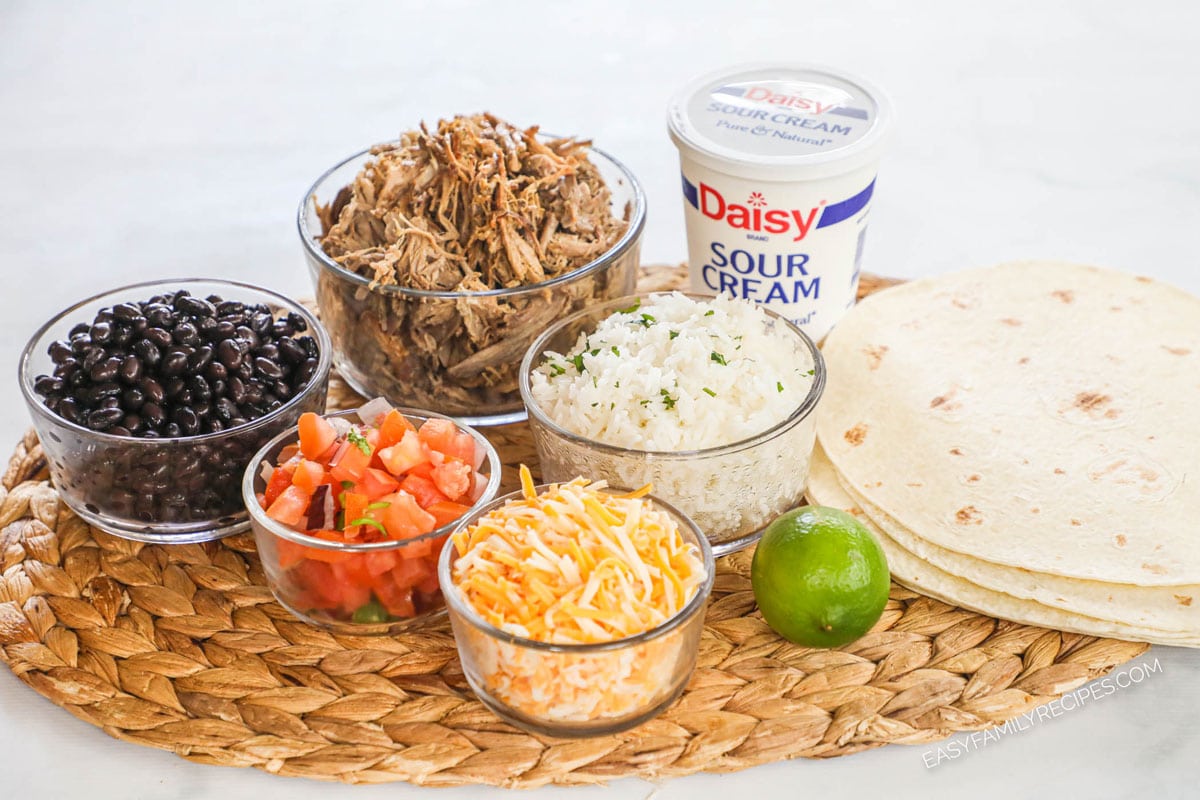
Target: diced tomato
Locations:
point(412, 571)
point(375, 483)
point(290, 506)
point(316, 584)
point(396, 599)
point(445, 437)
point(355, 506)
point(289, 452)
point(446, 512)
point(424, 470)
point(430, 584)
point(404, 455)
point(308, 476)
point(392, 428)
point(316, 434)
point(354, 582)
point(281, 478)
point(423, 489)
point(349, 463)
point(380, 561)
point(453, 478)
point(404, 518)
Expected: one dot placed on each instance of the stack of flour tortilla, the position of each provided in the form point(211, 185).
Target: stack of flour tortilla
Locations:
point(1025, 442)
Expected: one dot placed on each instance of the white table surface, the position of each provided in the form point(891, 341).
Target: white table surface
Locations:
point(176, 140)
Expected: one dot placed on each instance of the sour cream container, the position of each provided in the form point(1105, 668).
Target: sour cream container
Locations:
point(779, 165)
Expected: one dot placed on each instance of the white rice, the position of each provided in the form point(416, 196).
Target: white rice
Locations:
point(676, 374)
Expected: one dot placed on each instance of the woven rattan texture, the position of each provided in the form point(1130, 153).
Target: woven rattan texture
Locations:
point(182, 648)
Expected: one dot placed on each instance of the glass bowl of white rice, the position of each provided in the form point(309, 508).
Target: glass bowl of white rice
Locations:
point(710, 399)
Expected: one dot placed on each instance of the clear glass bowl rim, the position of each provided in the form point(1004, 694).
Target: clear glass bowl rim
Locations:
point(694, 606)
point(806, 407)
point(260, 517)
point(633, 233)
point(319, 378)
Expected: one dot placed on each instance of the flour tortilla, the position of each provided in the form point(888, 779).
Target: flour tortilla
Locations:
point(1036, 414)
point(921, 576)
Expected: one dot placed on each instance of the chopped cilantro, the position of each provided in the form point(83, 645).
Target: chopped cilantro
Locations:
point(709, 392)
point(594, 352)
point(636, 305)
point(668, 401)
point(578, 362)
point(779, 386)
point(358, 440)
point(595, 404)
point(647, 320)
point(615, 351)
point(717, 357)
point(674, 334)
point(556, 368)
point(709, 313)
point(811, 372)
point(347, 485)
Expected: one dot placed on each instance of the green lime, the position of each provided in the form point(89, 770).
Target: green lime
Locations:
point(820, 577)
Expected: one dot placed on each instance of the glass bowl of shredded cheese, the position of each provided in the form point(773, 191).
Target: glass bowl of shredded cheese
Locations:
point(577, 608)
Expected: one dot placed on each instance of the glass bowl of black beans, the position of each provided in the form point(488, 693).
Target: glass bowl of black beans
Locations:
point(149, 401)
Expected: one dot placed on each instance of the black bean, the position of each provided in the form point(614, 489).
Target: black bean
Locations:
point(200, 388)
point(183, 397)
point(245, 370)
point(268, 351)
point(99, 392)
point(158, 315)
point(104, 418)
point(267, 368)
point(225, 409)
point(291, 351)
point(172, 429)
point(160, 337)
point(119, 430)
point(44, 384)
point(200, 359)
point(174, 386)
point(132, 398)
point(229, 354)
point(68, 409)
point(207, 327)
point(226, 329)
point(60, 351)
point(237, 390)
point(153, 414)
point(260, 322)
point(153, 389)
point(106, 370)
point(213, 425)
point(228, 307)
point(186, 333)
point(148, 352)
point(132, 422)
point(216, 371)
point(281, 389)
point(94, 355)
point(126, 311)
point(79, 330)
point(101, 332)
point(174, 362)
point(298, 323)
point(195, 306)
point(188, 422)
point(305, 372)
point(131, 369)
point(282, 329)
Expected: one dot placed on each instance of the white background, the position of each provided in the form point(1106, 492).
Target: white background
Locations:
point(169, 139)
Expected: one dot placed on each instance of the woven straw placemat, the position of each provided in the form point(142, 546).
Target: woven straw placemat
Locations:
point(181, 647)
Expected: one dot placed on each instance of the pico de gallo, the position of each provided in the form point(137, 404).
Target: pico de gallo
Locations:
point(386, 479)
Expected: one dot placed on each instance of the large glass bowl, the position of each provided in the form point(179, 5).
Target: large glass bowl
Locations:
point(374, 328)
point(182, 489)
point(731, 492)
point(633, 679)
point(314, 578)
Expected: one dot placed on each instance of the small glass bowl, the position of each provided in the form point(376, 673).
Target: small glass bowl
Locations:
point(733, 491)
point(312, 578)
point(645, 673)
point(167, 490)
point(377, 331)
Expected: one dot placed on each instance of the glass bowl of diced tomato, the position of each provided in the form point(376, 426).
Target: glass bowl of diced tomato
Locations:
point(350, 511)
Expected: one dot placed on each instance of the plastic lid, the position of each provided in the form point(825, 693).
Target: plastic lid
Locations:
point(780, 121)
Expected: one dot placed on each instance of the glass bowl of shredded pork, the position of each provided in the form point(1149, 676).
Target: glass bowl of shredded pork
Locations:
point(711, 399)
point(577, 608)
point(438, 258)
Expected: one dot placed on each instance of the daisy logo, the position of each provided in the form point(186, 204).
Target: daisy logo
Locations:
point(757, 200)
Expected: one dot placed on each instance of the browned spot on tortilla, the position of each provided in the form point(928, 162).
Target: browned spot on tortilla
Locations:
point(1063, 295)
point(1023, 360)
point(1143, 279)
point(968, 515)
point(974, 478)
point(1012, 322)
point(946, 401)
point(1155, 569)
point(875, 485)
point(1177, 351)
point(954, 451)
point(1035, 511)
point(856, 434)
point(1183, 599)
point(875, 355)
point(958, 302)
point(1095, 404)
point(1114, 308)
point(915, 485)
point(1059, 471)
point(1120, 540)
point(1076, 523)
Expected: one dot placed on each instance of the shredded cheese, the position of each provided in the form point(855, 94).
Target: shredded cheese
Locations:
point(577, 565)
